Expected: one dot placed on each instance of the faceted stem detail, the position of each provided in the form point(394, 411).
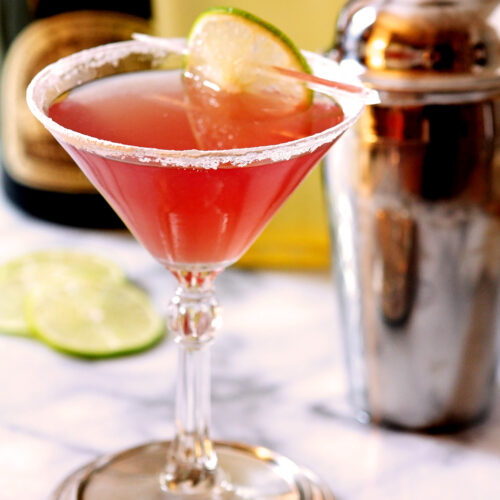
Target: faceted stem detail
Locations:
point(193, 317)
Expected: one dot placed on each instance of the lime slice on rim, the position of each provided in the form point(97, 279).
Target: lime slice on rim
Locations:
point(235, 51)
point(94, 319)
point(20, 276)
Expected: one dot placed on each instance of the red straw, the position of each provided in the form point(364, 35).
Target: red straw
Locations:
point(354, 89)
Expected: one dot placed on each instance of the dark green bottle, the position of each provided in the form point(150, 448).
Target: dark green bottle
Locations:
point(38, 175)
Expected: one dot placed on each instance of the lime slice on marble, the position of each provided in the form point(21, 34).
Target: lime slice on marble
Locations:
point(235, 51)
point(22, 275)
point(94, 318)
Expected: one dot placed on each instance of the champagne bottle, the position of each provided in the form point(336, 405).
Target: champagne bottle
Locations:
point(38, 175)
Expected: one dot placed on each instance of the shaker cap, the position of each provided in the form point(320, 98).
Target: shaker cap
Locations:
point(410, 45)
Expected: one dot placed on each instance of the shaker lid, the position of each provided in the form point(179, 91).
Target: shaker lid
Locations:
point(411, 45)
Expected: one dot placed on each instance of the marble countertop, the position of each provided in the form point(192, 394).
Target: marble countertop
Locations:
point(277, 381)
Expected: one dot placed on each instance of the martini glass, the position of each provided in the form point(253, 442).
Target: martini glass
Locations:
point(189, 209)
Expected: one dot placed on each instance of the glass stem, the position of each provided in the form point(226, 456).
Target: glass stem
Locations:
point(193, 317)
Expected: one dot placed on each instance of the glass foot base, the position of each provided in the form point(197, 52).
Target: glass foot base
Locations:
point(249, 473)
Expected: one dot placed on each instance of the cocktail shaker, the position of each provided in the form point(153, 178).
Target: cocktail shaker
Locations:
point(414, 200)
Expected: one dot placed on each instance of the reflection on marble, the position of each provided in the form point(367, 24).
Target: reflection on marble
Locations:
point(277, 381)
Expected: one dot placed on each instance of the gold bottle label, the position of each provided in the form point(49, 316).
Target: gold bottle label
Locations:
point(30, 154)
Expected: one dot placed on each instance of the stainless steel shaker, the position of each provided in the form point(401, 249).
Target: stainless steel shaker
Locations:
point(414, 201)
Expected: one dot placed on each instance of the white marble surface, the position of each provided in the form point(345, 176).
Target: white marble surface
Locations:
point(277, 381)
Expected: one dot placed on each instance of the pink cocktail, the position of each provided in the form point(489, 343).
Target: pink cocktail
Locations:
point(195, 177)
point(188, 215)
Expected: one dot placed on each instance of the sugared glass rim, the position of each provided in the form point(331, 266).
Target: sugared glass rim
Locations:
point(82, 67)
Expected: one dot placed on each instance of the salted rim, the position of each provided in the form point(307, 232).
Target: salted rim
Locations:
point(80, 67)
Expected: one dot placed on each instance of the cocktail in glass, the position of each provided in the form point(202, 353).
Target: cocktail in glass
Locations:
point(196, 209)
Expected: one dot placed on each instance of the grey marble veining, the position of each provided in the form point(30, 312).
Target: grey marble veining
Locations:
point(277, 381)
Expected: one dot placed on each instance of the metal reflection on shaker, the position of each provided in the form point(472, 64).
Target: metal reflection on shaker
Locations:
point(414, 200)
